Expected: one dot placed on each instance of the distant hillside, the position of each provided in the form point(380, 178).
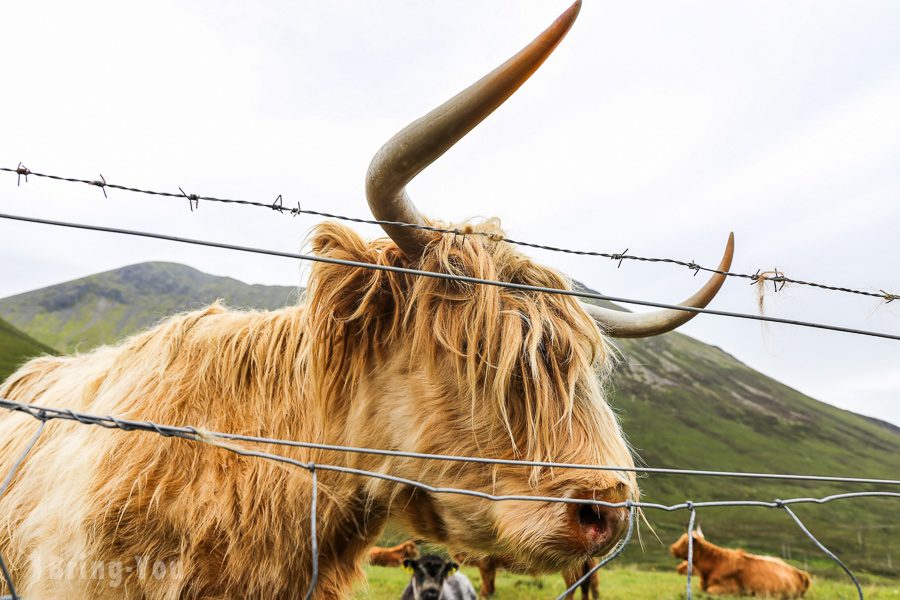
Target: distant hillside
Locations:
point(102, 308)
point(683, 404)
point(16, 347)
point(688, 405)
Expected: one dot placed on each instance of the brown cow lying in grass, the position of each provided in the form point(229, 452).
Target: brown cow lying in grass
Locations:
point(488, 565)
point(725, 571)
point(393, 556)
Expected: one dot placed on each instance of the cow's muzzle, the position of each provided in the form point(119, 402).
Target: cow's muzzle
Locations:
point(598, 528)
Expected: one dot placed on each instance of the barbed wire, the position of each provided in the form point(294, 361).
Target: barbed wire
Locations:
point(44, 414)
point(776, 277)
point(450, 277)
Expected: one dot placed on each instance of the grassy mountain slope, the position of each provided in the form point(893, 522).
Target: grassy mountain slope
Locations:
point(689, 405)
point(102, 308)
point(683, 404)
point(16, 347)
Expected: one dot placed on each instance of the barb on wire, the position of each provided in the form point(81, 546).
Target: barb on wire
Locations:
point(101, 184)
point(449, 277)
point(617, 257)
point(7, 576)
point(20, 171)
point(775, 276)
point(619, 548)
point(690, 554)
point(822, 547)
point(193, 199)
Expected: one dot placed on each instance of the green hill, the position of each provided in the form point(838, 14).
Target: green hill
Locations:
point(16, 347)
point(689, 405)
point(684, 404)
point(102, 308)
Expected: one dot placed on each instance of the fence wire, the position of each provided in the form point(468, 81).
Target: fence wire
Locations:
point(110, 422)
point(776, 277)
point(44, 414)
point(449, 277)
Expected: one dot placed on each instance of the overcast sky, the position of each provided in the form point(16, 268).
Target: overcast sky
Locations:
point(656, 126)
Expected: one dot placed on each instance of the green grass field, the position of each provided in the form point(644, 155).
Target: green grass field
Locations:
point(616, 583)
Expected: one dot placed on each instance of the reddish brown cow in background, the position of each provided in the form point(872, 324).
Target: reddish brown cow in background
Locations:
point(725, 571)
point(393, 556)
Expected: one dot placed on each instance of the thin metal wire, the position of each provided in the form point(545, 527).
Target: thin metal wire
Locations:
point(7, 576)
point(778, 279)
point(314, 542)
point(21, 459)
point(110, 422)
point(449, 277)
point(828, 552)
point(619, 548)
point(690, 557)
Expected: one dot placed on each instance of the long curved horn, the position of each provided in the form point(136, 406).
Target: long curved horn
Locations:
point(421, 142)
point(634, 325)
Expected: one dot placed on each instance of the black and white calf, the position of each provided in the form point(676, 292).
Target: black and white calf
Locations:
point(434, 578)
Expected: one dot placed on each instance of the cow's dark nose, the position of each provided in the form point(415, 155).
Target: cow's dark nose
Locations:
point(600, 526)
point(430, 594)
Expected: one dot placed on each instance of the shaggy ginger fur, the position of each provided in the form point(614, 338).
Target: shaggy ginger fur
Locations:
point(369, 358)
point(726, 571)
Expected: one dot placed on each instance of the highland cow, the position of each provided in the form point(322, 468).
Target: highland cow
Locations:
point(372, 358)
point(739, 573)
point(433, 578)
point(393, 556)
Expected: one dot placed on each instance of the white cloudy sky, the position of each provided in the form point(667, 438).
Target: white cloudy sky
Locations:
point(656, 126)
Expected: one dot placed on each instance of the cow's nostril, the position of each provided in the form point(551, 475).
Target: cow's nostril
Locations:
point(600, 526)
point(590, 517)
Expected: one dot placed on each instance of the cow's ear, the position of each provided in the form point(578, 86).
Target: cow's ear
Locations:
point(409, 565)
point(452, 568)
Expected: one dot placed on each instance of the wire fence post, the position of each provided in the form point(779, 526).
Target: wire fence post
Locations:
point(822, 547)
point(690, 555)
point(314, 542)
